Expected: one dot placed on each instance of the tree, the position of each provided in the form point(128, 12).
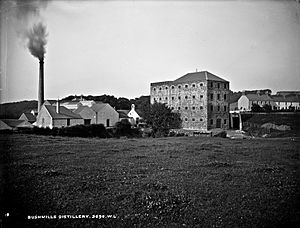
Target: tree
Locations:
point(256, 108)
point(162, 119)
point(267, 108)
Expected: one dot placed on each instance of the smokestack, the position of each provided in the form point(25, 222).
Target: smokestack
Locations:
point(41, 85)
point(57, 106)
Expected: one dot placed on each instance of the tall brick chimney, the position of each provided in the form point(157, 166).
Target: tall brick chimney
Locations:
point(41, 85)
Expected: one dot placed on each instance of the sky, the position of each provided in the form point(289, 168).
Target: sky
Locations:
point(119, 47)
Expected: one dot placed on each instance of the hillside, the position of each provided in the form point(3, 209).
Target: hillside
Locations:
point(14, 110)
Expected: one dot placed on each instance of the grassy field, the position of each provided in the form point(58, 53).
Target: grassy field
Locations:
point(173, 182)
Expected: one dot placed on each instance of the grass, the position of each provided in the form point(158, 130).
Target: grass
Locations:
point(174, 182)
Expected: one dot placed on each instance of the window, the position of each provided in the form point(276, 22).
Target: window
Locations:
point(179, 86)
point(172, 87)
point(211, 84)
point(179, 98)
point(166, 87)
point(201, 107)
point(225, 97)
point(218, 108)
point(193, 119)
point(172, 98)
point(159, 88)
point(225, 108)
point(201, 96)
point(225, 121)
point(178, 108)
point(218, 85)
point(166, 98)
point(172, 108)
point(160, 98)
point(154, 99)
point(193, 108)
point(186, 119)
point(201, 119)
point(186, 108)
point(186, 97)
point(194, 85)
point(186, 86)
point(194, 97)
point(211, 108)
point(218, 96)
point(201, 84)
point(211, 121)
point(211, 96)
point(154, 89)
point(225, 86)
point(68, 122)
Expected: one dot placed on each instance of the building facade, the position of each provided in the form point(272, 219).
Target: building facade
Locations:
point(101, 113)
point(57, 116)
point(201, 98)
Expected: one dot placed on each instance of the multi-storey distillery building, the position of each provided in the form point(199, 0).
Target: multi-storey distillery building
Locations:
point(201, 98)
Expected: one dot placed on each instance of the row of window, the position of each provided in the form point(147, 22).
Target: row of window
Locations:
point(212, 84)
point(179, 98)
point(201, 119)
point(217, 108)
point(218, 96)
point(179, 87)
point(194, 97)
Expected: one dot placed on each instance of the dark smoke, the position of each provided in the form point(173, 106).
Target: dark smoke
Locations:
point(37, 40)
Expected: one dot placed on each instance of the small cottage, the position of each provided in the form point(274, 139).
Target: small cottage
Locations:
point(57, 116)
point(98, 113)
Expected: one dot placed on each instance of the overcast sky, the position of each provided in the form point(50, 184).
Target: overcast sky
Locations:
point(119, 47)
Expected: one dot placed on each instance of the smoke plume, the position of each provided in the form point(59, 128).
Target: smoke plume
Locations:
point(29, 24)
point(37, 40)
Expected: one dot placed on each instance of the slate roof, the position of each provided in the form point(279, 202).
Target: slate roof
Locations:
point(64, 113)
point(256, 97)
point(99, 106)
point(13, 123)
point(50, 102)
point(199, 76)
point(29, 116)
point(123, 113)
point(288, 98)
point(80, 108)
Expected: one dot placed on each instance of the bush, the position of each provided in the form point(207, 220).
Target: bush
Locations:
point(124, 128)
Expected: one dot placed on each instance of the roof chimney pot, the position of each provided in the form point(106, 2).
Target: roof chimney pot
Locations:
point(57, 106)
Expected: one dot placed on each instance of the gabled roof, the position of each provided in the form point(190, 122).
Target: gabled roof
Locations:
point(123, 111)
point(64, 113)
point(256, 97)
point(97, 107)
point(288, 98)
point(123, 114)
point(13, 123)
point(199, 76)
point(29, 116)
point(50, 102)
point(80, 108)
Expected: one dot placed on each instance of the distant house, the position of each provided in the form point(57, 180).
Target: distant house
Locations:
point(50, 102)
point(131, 115)
point(100, 113)
point(287, 101)
point(28, 117)
point(71, 105)
point(57, 116)
point(247, 100)
point(13, 124)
